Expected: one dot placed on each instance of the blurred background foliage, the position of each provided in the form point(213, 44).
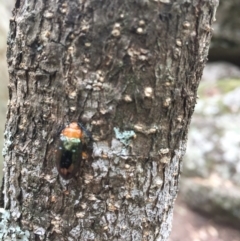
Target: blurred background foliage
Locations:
point(211, 171)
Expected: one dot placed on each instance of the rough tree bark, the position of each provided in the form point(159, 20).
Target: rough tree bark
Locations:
point(129, 71)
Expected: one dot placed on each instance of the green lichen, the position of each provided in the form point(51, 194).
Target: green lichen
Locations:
point(124, 136)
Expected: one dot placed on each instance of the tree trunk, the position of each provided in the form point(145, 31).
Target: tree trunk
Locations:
point(128, 70)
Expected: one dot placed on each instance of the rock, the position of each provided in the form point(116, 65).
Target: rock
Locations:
point(214, 135)
point(218, 199)
point(213, 151)
point(226, 35)
point(213, 146)
point(226, 27)
point(220, 70)
point(232, 100)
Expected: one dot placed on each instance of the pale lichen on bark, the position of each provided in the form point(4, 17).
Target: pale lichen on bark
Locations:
point(118, 67)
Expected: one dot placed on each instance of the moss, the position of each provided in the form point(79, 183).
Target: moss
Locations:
point(228, 85)
point(211, 94)
point(224, 86)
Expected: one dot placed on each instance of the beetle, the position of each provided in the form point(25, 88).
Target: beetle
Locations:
point(71, 149)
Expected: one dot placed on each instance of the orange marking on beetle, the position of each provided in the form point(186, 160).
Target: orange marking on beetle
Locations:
point(67, 171)
point(63, 171)
point(72, 131)
point(71, 168)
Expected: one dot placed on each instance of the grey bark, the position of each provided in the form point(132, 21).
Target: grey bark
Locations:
point(129, 71)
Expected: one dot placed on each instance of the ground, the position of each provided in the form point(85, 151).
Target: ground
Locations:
point(191, 226)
